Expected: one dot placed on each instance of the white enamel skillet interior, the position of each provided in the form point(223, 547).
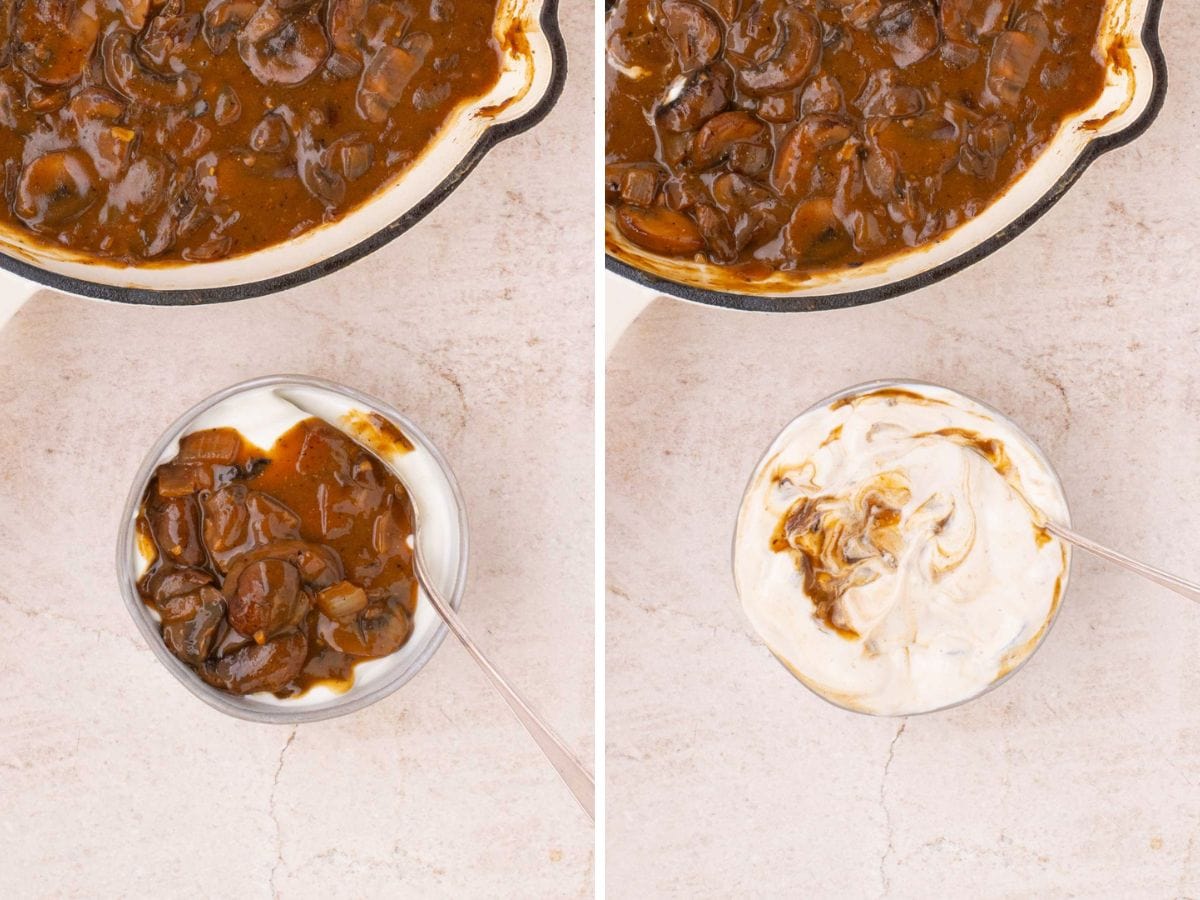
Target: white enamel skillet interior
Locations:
point(262, 409)
point(1133, 95)
point(530, 82)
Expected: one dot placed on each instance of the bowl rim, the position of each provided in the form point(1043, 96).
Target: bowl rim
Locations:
point(819, 302)
point(865, 388)
point(343, 704)
point(492, 135)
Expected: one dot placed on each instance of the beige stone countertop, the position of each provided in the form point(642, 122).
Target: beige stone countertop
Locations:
point(114, 780)
point(1079, 777)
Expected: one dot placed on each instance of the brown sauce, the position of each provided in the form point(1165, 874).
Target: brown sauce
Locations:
point(201, 129)
point(279, 570)
point(835, 553)
point(809, 136)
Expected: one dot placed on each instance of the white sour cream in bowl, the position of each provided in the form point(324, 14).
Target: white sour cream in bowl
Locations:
point(890, 550)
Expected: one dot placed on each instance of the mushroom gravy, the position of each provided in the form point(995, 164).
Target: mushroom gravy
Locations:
point(141, 130)
point(277, 571)
point(806, 136)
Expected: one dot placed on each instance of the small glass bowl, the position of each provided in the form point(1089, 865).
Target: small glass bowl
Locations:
point(1034, 448)
point(432, 488)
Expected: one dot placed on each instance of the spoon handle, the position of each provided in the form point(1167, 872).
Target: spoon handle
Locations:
point(1188, 589)
point(569, 768)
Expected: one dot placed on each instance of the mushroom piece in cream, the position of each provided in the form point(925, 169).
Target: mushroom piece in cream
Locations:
point(890, 548)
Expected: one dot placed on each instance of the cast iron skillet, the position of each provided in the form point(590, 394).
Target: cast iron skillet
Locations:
point(816, 301)
point(494, 134)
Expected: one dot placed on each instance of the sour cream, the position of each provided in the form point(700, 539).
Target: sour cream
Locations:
point(890, 549)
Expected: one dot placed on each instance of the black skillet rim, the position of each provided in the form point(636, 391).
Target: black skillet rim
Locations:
point(229, 293)
point(845, 300)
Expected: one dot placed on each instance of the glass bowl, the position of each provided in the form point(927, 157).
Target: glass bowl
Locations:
point(262, 409)
point(870, 387)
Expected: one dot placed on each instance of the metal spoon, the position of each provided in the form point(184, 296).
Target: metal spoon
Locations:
point(1188, 589)
point(568, 766)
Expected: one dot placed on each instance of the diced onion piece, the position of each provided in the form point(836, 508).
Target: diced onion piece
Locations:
point(213, 445)
point(175, 480)
point(342, 601)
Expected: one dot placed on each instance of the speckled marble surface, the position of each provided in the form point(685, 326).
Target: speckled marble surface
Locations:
point(113, 779)
point(1081, 776)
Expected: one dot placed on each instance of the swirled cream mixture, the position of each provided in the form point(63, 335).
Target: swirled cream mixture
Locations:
point(891, 553)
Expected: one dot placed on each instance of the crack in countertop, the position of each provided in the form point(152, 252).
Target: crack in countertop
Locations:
point(67, 620)
point(648, 607)
point(271, 811)
point(885, 883)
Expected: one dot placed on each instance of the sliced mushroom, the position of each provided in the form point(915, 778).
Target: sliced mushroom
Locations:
point(344, 18)
point(959, 56)
point(694, 31)
point(778, 109)
point(692, 99)
point(53, 39)
point(660, 230)
point(12, 115)
point(387, 75)
point(169, 581)
point(41, 99)
point(823, 94)
point(885, 94)
point(726, 9)
point(316, 174)
point(968, 20)
point(351, 157)
point(175, 524)
point(265, 599)
point(238, 520)
point(56, 188)
point(925, 146)
point(228, 108)
point(95, 103)
point(721, 134)
point(797, 49)
point(814, 234)
point(986, 143)
point(755, 213)
point(862, 14)
point(134, 12)
point(191, 623)
point(251, 668)
point(909, 30)
point(223, 19)
point(684, 191)
point(865, 230)
point(271, 134)
point(319, 566)
point(378, 630)
point(141, 191)
point(722, 248)
point(1014, 55)
point(880, 171)
point(170, 33)
point(125, 72)
point(110, 146)
point(282, 50)
point(799, 150)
